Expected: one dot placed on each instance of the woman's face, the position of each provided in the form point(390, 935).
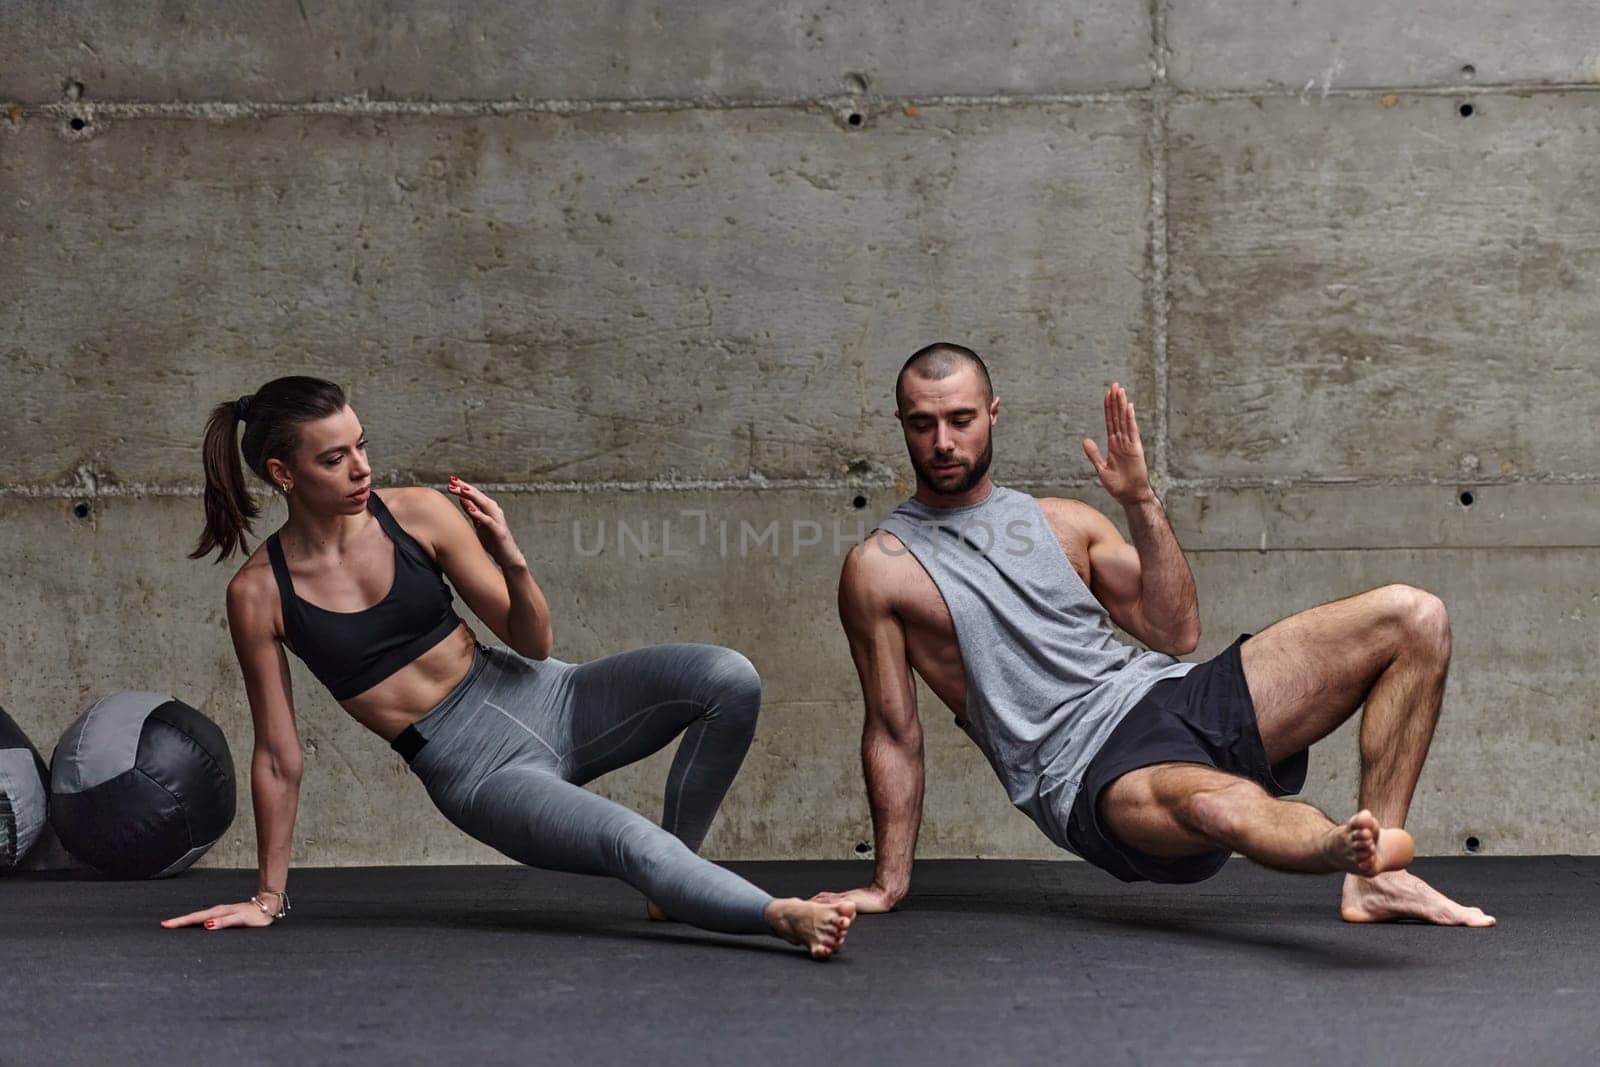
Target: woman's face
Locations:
point(330, 473)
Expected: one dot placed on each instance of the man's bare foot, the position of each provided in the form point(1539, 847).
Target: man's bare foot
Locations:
point(1361, 847)
point(1402, 895)
point(655, 914)
point(819, 927)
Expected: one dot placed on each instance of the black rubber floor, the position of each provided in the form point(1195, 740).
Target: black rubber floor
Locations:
point(988, 962)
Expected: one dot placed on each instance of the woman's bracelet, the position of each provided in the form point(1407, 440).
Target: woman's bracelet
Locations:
point(283, 903)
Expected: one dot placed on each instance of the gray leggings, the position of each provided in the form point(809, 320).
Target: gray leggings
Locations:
point(507, 751)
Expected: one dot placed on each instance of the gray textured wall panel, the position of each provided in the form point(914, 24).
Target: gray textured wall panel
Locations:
point(640, 243)
point(605, 296)
point(1285, 44)
point(106, 603)
point(1525, 515)
point(569, 49)
point(1380, 288)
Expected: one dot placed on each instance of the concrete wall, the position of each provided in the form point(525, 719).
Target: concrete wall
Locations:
point(627, 261)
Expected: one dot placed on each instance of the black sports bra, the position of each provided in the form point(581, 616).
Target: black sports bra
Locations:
point(352, 651)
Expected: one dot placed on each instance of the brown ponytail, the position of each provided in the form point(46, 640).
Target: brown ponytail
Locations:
point(271, 419)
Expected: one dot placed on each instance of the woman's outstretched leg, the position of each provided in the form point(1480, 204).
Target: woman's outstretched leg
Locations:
point(537, 818)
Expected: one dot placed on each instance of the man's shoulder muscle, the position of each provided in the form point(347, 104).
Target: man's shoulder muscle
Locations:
point(876, 571)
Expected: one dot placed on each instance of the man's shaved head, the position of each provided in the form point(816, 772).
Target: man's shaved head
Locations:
point(947, 410)
point(940, 360)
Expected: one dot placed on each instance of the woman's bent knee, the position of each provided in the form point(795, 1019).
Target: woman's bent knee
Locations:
point(734, 679)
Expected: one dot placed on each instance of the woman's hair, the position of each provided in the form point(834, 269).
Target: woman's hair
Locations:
point(271, 419)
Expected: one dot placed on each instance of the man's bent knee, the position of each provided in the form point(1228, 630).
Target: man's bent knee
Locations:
point(1423, 617)
point(1430, 622)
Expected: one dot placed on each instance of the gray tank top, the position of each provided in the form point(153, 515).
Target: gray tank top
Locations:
point(1047, 679)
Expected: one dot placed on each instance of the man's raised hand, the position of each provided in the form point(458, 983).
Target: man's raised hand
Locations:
point(1121, 467)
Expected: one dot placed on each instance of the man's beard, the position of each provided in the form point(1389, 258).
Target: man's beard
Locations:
point(974, 475)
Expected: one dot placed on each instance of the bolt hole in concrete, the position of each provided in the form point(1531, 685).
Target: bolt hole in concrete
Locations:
point(1467, 498)
point(82, 509)
point(859, 502)
point(1468, 71)
point(1473, 844)
point(855, 119)
point(862, 848)
point(1466, 111)
point(76, 124)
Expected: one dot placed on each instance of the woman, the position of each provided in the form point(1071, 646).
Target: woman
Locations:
point(502, 738)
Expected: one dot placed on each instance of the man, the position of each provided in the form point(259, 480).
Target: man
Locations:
point(1148, 767)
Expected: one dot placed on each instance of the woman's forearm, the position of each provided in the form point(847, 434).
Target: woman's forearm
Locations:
point(529, 617)
point(275, 796)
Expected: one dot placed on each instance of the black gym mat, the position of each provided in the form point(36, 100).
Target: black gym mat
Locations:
point(988, 962)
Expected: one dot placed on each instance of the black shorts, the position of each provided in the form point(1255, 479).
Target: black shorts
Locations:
point(1205, 716)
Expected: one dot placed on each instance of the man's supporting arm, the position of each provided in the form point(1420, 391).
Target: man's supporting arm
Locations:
point(891, 759)
point(891, 736)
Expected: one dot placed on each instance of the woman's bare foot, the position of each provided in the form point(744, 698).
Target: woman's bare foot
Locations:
point(1401, 895)
point(819, 927)
point(1362, 847)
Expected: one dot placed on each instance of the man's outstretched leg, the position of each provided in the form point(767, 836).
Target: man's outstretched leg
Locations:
point(1180, 809)
point(1388, 648)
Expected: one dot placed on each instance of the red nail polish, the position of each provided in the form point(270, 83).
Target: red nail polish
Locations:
point(209, 924)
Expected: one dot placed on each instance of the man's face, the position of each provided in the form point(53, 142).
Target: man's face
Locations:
point(948, 424)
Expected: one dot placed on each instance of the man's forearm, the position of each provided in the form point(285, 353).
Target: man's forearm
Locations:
point(1166, 586)
point(894, 791)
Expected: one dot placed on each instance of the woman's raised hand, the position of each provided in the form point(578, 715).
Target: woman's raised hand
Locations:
point(488, 522)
